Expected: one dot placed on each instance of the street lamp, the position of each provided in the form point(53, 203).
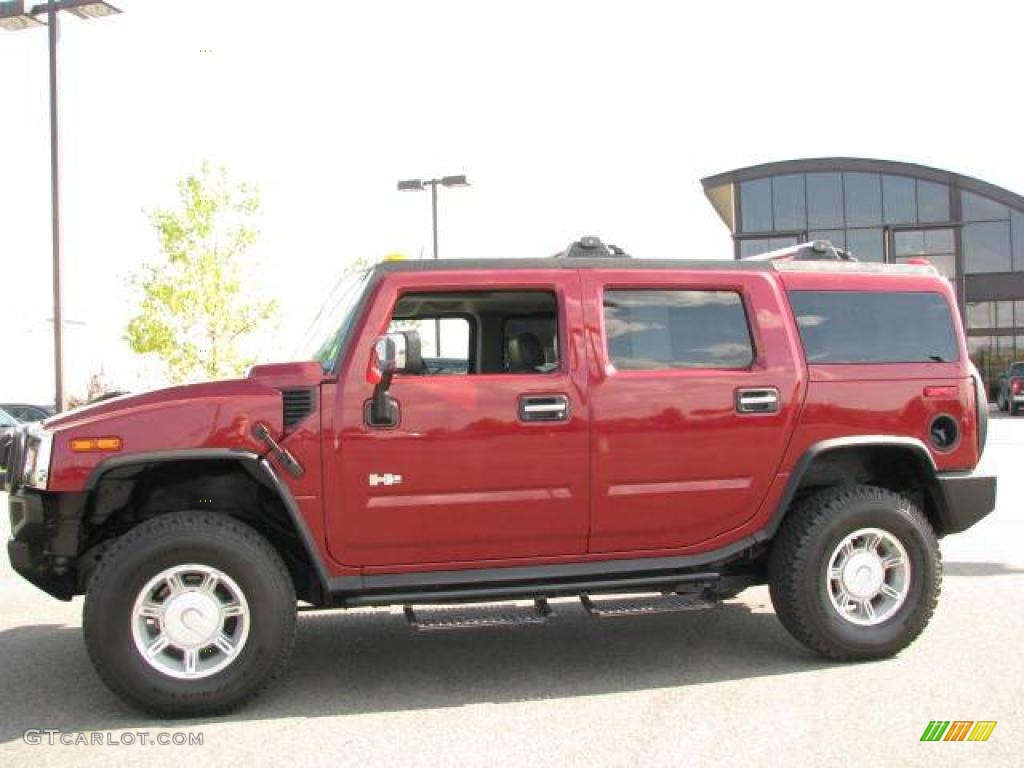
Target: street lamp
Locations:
point(13, 17)
point(418, 185)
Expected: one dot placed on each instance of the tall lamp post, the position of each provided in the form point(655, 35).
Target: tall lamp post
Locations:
point(13, 17)
point(418, 185)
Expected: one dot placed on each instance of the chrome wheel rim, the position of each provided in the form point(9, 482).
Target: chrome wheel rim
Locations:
point(868, 576)
point(190, 621)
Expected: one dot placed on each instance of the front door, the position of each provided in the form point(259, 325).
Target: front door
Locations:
point(693, 398)
point(489, 459)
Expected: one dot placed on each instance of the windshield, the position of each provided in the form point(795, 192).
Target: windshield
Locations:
point(6, 420)
point(331, 325)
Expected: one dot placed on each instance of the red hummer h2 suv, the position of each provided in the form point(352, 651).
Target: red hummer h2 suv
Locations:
point(493, 434)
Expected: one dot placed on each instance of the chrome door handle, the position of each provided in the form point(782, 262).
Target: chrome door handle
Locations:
point(544, 408)
point(757, 400)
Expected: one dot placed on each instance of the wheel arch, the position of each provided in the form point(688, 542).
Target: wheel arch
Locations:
point(898, 463)
point(123, 491)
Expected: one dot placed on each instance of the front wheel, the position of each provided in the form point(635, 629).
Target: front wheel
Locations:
point(855, 572)
point(189, 614)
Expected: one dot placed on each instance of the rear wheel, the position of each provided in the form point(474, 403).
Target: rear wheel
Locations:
point(189, 614)
point(855, 572)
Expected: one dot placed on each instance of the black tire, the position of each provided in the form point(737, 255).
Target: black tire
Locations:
point(208, 539)
point(800, 559)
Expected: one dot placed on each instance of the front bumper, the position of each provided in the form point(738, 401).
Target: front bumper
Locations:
point(39, 548)
point(963, 498)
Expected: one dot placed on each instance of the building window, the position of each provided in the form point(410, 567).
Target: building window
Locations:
point(981, 314)
point(978, 208)
point(824, 200)
point(936, 245)
point(1004, 314)
point(987, 247)
point(653, 330)
point(932, 202)
point(789, 203)
point(865, 244)
point(1017, 224)
point(991, 314)
point(756, 205)
point(900, 197)
point(862, 194)
point(752, 246)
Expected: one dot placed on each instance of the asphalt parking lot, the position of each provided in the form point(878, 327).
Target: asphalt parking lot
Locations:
point(723, 686)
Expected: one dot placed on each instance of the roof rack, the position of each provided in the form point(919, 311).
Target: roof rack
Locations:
point(588, 247)
point(816, 250)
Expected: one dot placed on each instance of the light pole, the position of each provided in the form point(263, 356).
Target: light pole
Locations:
point(13, 17)
point(418, 185)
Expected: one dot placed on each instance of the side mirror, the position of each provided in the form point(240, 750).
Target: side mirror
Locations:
point(392, 353)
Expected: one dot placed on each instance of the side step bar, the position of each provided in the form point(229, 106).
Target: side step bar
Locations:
point(437, 595)
point(470, 616)
point(477, 616)
point(644, 606)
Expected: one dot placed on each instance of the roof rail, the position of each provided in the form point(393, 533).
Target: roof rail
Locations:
point(853, 267)
point(816, 250)
point(588, 247)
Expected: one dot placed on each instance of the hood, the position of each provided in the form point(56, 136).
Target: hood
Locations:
point(216, 414)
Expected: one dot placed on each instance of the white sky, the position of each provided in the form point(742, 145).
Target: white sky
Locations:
point(569, 118)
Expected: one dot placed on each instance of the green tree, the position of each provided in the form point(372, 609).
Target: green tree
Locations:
point(196, 310)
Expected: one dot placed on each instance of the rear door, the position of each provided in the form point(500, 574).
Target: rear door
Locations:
point(489, 461)
point(694, 394)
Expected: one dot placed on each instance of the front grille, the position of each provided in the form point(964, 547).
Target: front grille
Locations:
point(15, 460)
point(298, 404)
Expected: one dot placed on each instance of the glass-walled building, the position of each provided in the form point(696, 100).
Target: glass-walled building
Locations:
point(972, 231)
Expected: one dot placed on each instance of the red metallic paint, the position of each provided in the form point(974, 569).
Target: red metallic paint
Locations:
point(217, 414)
point(650, 464)
point(673, 462)
point(476, 481)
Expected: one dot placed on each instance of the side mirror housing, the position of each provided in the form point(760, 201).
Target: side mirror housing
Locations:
point(393, 353)
point(397, 353)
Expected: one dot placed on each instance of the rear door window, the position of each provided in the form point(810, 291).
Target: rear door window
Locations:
point(875, 327)
point(656, 329)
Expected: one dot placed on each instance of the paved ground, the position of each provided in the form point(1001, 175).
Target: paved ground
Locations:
point(727, 686)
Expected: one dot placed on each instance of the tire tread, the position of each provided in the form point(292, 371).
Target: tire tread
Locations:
point(793, 546)
point(167, 525)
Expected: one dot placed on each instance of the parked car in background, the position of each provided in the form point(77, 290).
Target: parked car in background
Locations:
point(8, 424)
point(24, 412)
point(1010, 395)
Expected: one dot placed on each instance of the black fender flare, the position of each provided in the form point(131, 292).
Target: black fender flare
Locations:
point(255, 465)
point(914, 446)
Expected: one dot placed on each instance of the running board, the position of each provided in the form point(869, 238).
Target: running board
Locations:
point(642, 606)
point(477, 616)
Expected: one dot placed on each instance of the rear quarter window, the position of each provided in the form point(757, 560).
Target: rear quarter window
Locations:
point(875, 327)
